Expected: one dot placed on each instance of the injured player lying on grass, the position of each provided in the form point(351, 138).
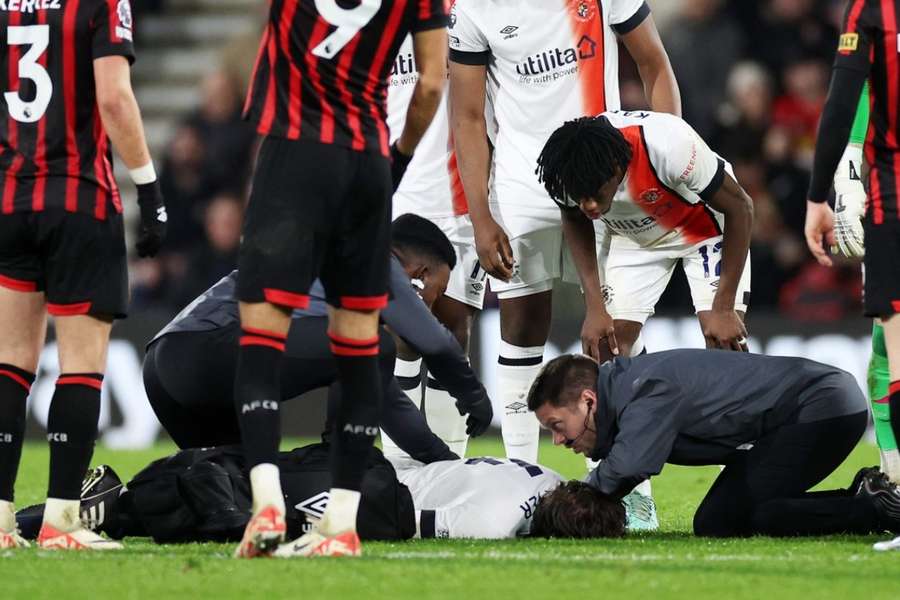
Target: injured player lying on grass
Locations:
point(202, 495)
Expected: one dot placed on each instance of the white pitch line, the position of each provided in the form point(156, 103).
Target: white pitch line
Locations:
point(608, 557)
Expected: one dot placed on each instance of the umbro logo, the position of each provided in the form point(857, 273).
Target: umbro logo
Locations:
point(516, 408)
point(509, 32)
point(314, 506)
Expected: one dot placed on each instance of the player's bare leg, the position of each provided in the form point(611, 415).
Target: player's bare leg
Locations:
point(83, 341)
point(439, 406)
point(524, 329)
point(257, 395)
point(355, 345)
point(23, 322)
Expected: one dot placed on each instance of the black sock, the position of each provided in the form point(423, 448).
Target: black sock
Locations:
point(257, 393)
point(72, 431)
point(894, 405)
point(356, 425)
point(15, 383)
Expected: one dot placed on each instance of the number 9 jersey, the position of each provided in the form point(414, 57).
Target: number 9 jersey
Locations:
point(54, 152)
point(322, 70)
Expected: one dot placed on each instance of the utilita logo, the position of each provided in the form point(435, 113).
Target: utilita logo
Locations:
point(557, 58)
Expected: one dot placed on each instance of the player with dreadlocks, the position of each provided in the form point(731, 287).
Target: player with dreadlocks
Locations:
point(664, 197)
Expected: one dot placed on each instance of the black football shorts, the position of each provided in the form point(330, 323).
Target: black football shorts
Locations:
point(882, 261)
point(78, 261)
point(317, 211)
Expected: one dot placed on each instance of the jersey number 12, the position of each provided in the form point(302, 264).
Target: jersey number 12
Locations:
point(38, 37)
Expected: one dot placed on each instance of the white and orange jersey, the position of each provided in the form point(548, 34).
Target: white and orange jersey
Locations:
point(431, 187)
point(548, 61)
point(662, 199)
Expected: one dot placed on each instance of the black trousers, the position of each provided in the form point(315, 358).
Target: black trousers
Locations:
point(763, 491)
point(189, 378)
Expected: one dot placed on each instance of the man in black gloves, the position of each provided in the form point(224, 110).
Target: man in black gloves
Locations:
point(188, 364)
point(62, 242)
point(779, 425)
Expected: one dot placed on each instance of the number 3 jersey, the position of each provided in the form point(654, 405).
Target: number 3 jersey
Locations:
point(54, 152)
point(322, 70)
point(485, 498)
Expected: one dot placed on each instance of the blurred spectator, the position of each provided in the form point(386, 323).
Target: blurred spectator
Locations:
point(797, 110)
point(217, 255)
point(228, 138)
point(824, 294)
point(785, 30)
point(703, 43)
point(186, 187)
point(743, 120)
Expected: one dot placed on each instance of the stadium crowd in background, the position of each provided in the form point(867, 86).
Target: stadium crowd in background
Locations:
point(756, 99)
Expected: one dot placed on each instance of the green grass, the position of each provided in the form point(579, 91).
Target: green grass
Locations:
point(668, 564)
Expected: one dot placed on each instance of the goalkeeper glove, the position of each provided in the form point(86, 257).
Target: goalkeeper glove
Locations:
point(849, 205)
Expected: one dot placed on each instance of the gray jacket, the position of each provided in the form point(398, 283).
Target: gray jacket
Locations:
point(697, 407)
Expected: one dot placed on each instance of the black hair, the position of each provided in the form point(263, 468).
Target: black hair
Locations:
point(580, 157)
point(421, 236)
point(576, 510)
point(562, 380)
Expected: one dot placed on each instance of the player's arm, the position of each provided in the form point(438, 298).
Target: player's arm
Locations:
point(410, 320)
point(598, 327)
point(430, 50)
point(647, 429)
point(121, 119)
point(724, 326)
point(646, 48)
point(469, 57)
point(851, 69)
point(849, 192)
point(405, 424)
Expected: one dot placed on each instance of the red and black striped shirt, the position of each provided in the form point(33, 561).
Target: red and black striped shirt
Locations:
point(54, 152)
point(322, 70)
point(870, 43)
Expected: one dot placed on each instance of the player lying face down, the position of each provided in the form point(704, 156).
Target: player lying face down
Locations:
point(202, 494)
point(185, 362)
point(779, 425)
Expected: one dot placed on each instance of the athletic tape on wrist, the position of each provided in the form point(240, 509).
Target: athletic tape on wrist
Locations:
point(143, 175)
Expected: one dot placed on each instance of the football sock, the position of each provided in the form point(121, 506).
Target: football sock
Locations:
point(257, 394)
point(7, 517)
point(265, 482)
point(444, 419)
point(409, 375)
point(517, 367)
point(63, 514)
point(340, 514)
point(356, 423)
point(71, 431)
point(878, 380)
point(895, 424)
point(15, 383)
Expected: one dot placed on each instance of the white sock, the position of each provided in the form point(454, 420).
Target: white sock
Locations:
point(265, 484)
point(591, 463)
point(7, 517)
point(444, 419)
point(63, 515)
point(644, 488)
point(409, 376)
point(637, 347)
point(890, 465)
point(340, 514)
point(517, 367)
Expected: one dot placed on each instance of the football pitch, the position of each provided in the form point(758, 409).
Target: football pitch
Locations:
point(667, 564)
